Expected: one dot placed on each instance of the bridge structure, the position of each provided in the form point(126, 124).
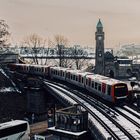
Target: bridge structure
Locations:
point(58, 52)
point(103, 122)
point(40, 56)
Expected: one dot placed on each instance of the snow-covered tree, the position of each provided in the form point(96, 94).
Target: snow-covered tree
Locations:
point(4, 34)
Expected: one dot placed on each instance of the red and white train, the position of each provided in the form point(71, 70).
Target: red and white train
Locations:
point(109, 89)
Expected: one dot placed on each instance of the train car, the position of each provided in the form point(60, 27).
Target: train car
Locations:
point(111, 90)
point(39, 70)
point(15, 130)
point(24, 68)
point(77, 77)
point(31, 69)
point(58, 73)
point(71, 76)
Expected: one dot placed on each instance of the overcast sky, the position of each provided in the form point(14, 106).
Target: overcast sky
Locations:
point(75, 19)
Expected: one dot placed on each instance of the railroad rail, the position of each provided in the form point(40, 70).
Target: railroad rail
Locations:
point(102, 113)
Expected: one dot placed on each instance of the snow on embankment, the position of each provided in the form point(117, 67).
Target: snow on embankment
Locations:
point(6, 84)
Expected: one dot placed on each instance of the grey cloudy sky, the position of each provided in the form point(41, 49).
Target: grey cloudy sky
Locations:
point(75, 19)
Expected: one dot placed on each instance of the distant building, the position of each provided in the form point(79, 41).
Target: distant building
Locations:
point(8, 57)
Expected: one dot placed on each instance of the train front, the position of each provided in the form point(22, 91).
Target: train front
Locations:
point(120, 93)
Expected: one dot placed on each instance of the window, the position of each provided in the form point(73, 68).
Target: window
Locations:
point(76, 78)
point(82, 80)
point(86, 81)
point(99, 87)
point(61, 73)
point(93, 84)
point(71, 76)
point(79, 78)
point(96, 84)
point(89, 82)
point(13, 130)
point(109, 90)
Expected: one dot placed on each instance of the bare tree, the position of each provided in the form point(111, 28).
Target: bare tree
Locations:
point(36, 43)
point(4, 34)
point(79, 54)
point(61, 42)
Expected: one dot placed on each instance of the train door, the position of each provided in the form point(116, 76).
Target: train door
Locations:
point(103, 88)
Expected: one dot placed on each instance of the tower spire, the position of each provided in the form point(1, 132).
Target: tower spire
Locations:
point(99, 24)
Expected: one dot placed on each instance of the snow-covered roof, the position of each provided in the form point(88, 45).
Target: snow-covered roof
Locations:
point(104, 79)
point(11, 123)
point(59, 68)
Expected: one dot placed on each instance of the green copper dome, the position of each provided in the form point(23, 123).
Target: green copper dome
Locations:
point(99, 24)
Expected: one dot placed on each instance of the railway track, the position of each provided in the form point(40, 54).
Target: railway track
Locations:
point(114, 115)
point(104, 115)
point(129, 116)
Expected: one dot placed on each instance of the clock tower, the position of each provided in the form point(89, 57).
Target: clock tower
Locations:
point(99, 54)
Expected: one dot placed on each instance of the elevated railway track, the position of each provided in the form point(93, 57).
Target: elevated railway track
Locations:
point(110, 120)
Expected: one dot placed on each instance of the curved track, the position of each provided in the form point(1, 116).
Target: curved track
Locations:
point(104, 113)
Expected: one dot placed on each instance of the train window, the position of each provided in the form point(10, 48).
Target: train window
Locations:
point(71, 76)
point(93, 84)
point(60, 73)
point(67, 75)
point(79, 80)
point(109, 90)
point(76, 78)
point(120, 88)
point(86, 81)
point(13, 130)
point(89, 82)
point(82, 80)
point(99, 87)
point(96, 84)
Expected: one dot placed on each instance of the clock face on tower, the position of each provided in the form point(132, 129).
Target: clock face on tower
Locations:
point(99, 54)
point(99, 38)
